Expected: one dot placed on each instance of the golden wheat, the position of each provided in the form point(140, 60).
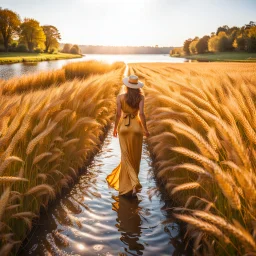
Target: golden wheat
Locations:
point(202, 225)
point(240, 233)
point(41, 118)
point(205, 113)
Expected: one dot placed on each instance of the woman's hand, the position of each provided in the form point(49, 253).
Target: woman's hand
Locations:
point(115, 133)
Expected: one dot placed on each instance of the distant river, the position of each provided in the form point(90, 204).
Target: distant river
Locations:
point(13, 70)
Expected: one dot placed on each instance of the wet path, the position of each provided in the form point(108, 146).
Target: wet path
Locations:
point(93, 220)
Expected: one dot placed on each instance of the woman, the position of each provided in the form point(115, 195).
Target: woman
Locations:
point(130, 125)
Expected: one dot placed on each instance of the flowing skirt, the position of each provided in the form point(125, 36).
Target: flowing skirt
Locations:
point(125, 176)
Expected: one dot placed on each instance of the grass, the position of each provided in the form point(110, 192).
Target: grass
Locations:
point(223, 56)
point(46, 135)
point(202, 120)
point(15, 57)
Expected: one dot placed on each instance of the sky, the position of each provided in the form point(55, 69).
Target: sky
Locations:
point(134, 22)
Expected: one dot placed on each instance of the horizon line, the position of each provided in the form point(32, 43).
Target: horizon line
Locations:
point(120, 45)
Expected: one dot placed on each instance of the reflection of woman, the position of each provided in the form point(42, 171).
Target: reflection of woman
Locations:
point(129, 222)
point(124, 177)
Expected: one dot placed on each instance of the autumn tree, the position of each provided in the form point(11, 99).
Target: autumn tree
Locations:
point(250, 24)
point(9, 26)
point(32, 34)
point(1, 39)
point(224, 28)
point(225, 42)
point(75, 49)
point(186, 46)
point(212, 34)
point(213, 44)
point(52, 36)
point(202, 45)
point(251, 41)
point(66, 48)
point(192, 46)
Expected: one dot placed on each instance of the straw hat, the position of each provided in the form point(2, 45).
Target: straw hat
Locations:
point(132, 81)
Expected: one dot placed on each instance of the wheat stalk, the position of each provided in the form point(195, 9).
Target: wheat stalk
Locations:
point(202, 225)
point(8, 161)
point(39, 137)
point(38, 158)
point(43, 189)
point(6, 179)
point(4, 201)
point(24, 214)
point(240, 234)
point(200, 142)
point(228, 190)
point(200, 158)
point(185, 186)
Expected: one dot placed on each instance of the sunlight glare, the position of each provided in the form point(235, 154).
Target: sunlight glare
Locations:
point(80, 247)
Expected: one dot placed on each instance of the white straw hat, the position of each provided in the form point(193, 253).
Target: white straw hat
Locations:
point(132, 81)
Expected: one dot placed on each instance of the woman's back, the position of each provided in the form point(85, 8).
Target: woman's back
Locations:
point(125, 107)
point(130, 120)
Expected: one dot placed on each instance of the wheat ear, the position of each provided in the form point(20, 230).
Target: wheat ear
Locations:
point(4, 201)
point(185, 186)
point(240, 234)
point(202, 225)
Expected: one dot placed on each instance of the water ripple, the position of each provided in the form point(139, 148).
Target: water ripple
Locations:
point(93, 220)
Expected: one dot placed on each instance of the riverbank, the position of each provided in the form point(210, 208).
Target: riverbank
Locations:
point(221, 57)
point(16, 57)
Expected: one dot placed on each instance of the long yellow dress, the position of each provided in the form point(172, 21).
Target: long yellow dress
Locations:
point(125, 176)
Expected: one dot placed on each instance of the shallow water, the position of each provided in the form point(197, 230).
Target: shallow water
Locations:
point(93, 220)
point(8, 71)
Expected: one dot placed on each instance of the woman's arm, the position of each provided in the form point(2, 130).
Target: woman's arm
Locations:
point(118, 115)
point(143, 117)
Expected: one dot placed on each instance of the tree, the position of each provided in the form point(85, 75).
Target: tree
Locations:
point(213, 44)
point(66, 48)
point(192, 46)
point(75, 49)
point(186, 46)
point(234, 32)
point(52, 36)
point(224, 28)
point(1, 39)
point(9, 26)
point(202, 45)
point(251, 24)
point(32, 34)
point(251, 41)
point(224, 43)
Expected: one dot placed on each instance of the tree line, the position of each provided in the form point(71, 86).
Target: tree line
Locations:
point(28, 35)
point(226, 39)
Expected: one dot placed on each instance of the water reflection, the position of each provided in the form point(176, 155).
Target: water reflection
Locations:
point(129, 222)
point(8, 71)
point(93, 220)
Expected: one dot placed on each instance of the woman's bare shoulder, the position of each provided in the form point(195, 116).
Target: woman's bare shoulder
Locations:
point(120, 95)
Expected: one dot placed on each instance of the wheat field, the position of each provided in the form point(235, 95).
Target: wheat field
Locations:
point(202, 120)
point(50, 126)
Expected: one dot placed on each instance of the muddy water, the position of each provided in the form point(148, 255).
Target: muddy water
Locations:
point(93, 220)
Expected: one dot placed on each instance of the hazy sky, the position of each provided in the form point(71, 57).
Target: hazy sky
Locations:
point(134, 22)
